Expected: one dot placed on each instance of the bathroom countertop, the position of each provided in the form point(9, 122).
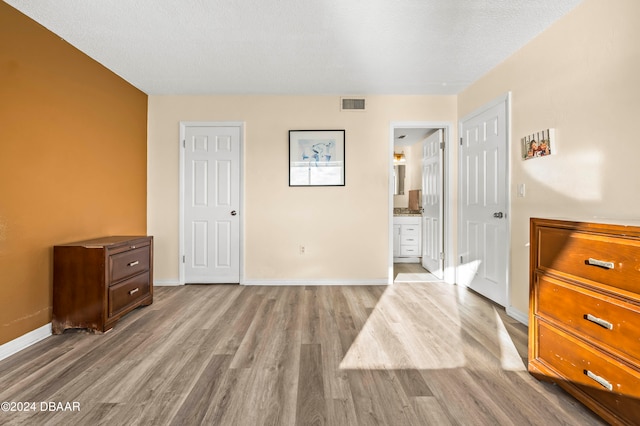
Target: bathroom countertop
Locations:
point(403, 211)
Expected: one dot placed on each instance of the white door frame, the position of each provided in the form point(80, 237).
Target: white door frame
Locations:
point(181, 232)
point(449, 262)
point(506, 99)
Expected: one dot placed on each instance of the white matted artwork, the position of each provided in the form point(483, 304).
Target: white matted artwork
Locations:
point(316, 157)
point(538, 144)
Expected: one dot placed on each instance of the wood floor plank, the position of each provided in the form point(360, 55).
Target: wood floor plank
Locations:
point(431, 412)
point(311, 406)
point(227, 405)
point(415, 353)
point(249, 347)
point(237, 319)
point(336, 382)
point(279, 358)
point(341, 412)
point(195, 406)
point(412, 382)
point(310, 320)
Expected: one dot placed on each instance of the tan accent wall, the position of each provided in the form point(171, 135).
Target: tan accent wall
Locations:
point(580, 77)
point(72, 162)
point(345, 230)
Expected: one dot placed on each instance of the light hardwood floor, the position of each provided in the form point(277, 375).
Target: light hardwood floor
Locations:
point(408, 354)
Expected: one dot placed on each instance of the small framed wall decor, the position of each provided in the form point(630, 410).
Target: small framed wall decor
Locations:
point(316, 157)
point(538, 144)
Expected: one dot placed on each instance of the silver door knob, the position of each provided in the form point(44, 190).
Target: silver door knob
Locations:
point(233, 212)
point(499, 215)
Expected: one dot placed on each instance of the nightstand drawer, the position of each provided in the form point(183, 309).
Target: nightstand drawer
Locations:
point(611, 383)
point(128, 292)
point(598, 318)
point(128, 263)
point(604, 259)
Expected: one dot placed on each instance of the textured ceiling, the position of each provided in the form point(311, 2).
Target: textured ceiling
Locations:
point(297, 46)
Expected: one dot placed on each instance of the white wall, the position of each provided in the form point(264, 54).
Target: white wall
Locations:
point(344, 229)
point(581, 78)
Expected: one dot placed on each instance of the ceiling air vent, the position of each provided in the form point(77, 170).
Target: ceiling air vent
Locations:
point(352, 104)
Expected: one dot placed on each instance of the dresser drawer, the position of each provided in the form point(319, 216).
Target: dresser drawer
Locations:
point(128, 292)
point(605, 259)
point(128, 263)
point(611, 383)
point(596, 317)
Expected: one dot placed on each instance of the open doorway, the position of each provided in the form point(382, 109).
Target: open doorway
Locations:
point(420, 203)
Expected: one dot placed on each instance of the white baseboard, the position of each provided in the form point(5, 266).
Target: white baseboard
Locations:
point(24, 341)
point(166, 283)
point(273, 282)
point(518, 315)
point(407, 260)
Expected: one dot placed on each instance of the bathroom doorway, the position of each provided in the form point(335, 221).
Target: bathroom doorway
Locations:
point(419, 167)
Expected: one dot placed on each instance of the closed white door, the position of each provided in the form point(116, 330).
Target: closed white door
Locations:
point(211, 225)
point(483, 242)
point(432, 213)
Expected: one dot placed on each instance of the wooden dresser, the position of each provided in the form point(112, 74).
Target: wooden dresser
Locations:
point(584, 317)
point(96, 282)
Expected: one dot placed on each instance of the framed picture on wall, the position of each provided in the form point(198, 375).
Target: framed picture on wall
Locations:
point(539, 144)
point(316, 158)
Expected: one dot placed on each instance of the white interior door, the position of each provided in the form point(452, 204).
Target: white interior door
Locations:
point(211, 226)
point(483, 242)
point(432, 213)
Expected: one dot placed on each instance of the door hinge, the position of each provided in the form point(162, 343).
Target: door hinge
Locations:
point(460, 141)
point(184, 259)
point(184, 143)
point(441, 145)
point(441, 256)
point(461, 259)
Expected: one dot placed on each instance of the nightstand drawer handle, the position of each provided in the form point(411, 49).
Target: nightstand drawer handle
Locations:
point(599, 321)
point(599, 379)
point(135, 290)
point(601, 263)
point(133, 263)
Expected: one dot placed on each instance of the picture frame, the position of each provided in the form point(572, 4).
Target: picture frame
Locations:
point(316, 158)
point(539, 144)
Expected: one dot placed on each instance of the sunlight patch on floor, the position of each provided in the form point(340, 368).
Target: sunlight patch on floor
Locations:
point(509, 357)
point(409, 332)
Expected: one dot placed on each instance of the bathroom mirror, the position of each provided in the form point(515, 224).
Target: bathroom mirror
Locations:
point(398, 179)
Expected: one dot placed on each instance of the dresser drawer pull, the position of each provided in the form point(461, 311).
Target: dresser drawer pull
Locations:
point(599, 379)
point(134, 263)
point(599, 321)
point(601, 263)
point(132, 292)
